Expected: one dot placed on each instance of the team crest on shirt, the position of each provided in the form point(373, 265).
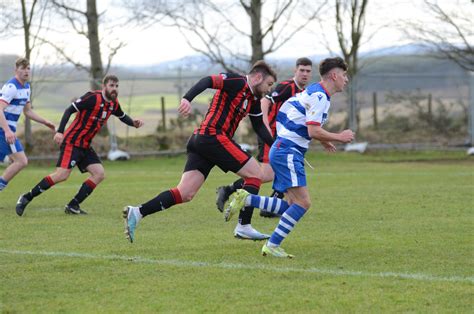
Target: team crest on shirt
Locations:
point(73, 163)
point(274, 94)
point(223, 76)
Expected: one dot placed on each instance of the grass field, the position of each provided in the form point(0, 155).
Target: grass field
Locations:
point(387, 233)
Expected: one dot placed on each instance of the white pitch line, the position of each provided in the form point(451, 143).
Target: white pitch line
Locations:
point(181, 263)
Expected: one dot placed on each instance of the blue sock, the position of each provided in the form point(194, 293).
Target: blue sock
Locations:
point(287, 222)
point(269, 204)
point(3, 183)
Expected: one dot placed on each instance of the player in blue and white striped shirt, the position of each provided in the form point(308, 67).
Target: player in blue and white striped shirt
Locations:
point(299, 120)
point(15, 99)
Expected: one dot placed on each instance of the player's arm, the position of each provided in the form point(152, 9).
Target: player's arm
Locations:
point(184, 108)
point(30, 113)
point(316, 132)
point(9, 135)
point(59, 136)
point(265, 104)
point(261, 129)
point(137, 123)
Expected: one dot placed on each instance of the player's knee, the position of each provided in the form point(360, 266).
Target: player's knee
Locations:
point(99, 177)
point(187, 196)
point(305, 203)
point(22, 162)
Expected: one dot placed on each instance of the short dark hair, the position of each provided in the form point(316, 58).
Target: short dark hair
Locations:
point(21, 62)
point(330, 63)
point(263, 68)
point(110, 77)
point(304, 61)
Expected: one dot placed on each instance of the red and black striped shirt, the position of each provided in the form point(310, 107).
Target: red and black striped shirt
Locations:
point(231, 103)
point(283, 91)
point(93, 111)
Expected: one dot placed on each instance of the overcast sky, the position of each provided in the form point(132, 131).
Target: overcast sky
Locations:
point(157, 43)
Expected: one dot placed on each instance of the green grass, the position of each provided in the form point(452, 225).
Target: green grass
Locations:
point(386, 233)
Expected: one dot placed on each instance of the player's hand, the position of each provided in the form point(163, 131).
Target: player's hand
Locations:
point(346, 136)
point(50, 125)
point(10, 136)
point(58, 138)
point(329, 147)
point(138, 123)
point(184, 108)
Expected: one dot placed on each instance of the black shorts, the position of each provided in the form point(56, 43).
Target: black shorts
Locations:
point(71, 156)
point(206, 151)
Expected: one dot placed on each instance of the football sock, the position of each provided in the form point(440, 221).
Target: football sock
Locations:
point(41, 187)
point(287, 222)
point(3, 183)
point(163, 201)
point(251, 185)
point(236, 185)
point(86, 189)
point(269, 204)
point(277, 194)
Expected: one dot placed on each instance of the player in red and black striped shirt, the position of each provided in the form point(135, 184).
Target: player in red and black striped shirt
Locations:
point(270, 106)
point(92, 112)
point(212, 145)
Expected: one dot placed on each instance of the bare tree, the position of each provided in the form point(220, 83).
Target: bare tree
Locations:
point(85, 23)
point(450, 36)
point(350, 24)
point(27, 18)
point(213, 28)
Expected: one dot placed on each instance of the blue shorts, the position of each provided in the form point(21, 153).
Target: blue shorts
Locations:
point(8, 149)
point(288, 165)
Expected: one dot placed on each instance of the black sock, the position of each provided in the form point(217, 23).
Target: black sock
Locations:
point(163, 201)
point(251, 185)
point(41, 187)
point(277, 194)
point(85, 190)
point(236, 185)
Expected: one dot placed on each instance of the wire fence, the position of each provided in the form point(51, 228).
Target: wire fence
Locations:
point(392, 108)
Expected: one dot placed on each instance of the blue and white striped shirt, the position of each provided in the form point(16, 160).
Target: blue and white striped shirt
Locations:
point(16, 96)
point(308, 107)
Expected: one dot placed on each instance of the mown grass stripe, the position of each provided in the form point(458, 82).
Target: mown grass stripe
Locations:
point(183, 263)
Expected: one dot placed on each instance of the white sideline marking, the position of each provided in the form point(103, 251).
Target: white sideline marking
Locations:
point(180, 263)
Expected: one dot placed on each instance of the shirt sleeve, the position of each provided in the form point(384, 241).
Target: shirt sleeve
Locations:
point(118, 112)
point(86, 102)
point(256, 109)
point(316, 106)
point(229, 82)
point(281, 93)
point(8, 92)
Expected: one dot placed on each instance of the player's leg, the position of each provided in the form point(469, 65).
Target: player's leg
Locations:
point(66, 161)
point(195, 173)
point(97, 175)
point(224, 192)
point(252, 175)
point(190, 183)
point(47, 182)
point(268, 176)
point(300, 204)
point(16, 155)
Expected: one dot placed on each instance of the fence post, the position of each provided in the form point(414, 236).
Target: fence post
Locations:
point(374, 98)
point(471, 105)
point(163, 112)
point(430, 109)
point(353, 104)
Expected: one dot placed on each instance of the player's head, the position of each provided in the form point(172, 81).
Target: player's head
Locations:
point(22, 69)
point(262, 78)
point(334, 71)
point(110, 86)
point(303, 71)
